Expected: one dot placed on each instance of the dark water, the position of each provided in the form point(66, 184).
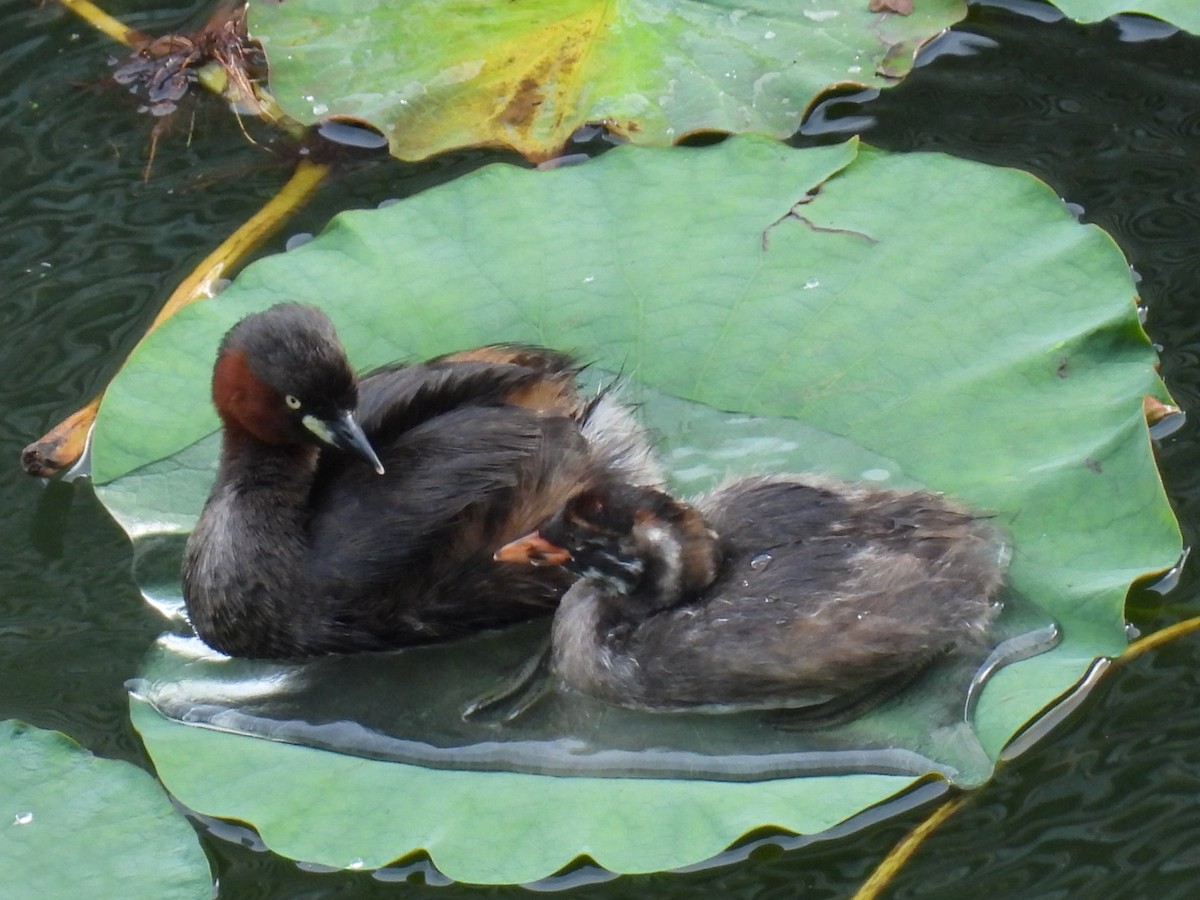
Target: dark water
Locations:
point(1105, 807)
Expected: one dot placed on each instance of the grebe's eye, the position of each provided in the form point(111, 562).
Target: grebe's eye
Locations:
point(292, 401)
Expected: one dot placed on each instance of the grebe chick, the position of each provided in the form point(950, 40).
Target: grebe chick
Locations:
point(772, 592)
point(354, 515)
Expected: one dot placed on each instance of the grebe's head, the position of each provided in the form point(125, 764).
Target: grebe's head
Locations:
point(282, 377)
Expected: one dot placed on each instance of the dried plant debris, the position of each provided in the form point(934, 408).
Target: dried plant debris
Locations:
point(164, 70)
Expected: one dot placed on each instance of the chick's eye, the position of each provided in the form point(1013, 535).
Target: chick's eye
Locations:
point(292, 401)
point(586, 507)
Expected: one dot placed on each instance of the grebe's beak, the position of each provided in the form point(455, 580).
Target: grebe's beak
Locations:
point(346, 433)
point(532, 549)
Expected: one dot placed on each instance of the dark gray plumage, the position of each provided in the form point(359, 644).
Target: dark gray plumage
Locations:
point(302, 549)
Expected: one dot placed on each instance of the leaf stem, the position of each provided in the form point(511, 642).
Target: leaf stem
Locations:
point(1158, 638)
point(200, 284)
point(61, 446)
point(102, 21)
point(903, 851)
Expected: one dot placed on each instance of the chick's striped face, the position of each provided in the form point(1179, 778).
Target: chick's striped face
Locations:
point(599, 535)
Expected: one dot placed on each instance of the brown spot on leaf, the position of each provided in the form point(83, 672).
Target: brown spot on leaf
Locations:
point(901, 7)
point(523, 105)
point(1093, 465)
point(536, 91)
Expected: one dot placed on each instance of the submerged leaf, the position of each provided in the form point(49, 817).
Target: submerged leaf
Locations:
point(434, 76)
point(951, 319)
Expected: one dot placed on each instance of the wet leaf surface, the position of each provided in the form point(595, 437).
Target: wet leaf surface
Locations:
point(434, 76)
point(919, 306)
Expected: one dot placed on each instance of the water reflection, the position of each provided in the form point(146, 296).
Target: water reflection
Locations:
point(407, 706)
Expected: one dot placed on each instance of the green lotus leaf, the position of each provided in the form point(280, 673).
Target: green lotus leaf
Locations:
point(952, 320)
point(74, 825)
point(1183, 13)
point(434, 76)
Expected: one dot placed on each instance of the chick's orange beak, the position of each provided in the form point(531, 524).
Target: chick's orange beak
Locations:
point(532, 549)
